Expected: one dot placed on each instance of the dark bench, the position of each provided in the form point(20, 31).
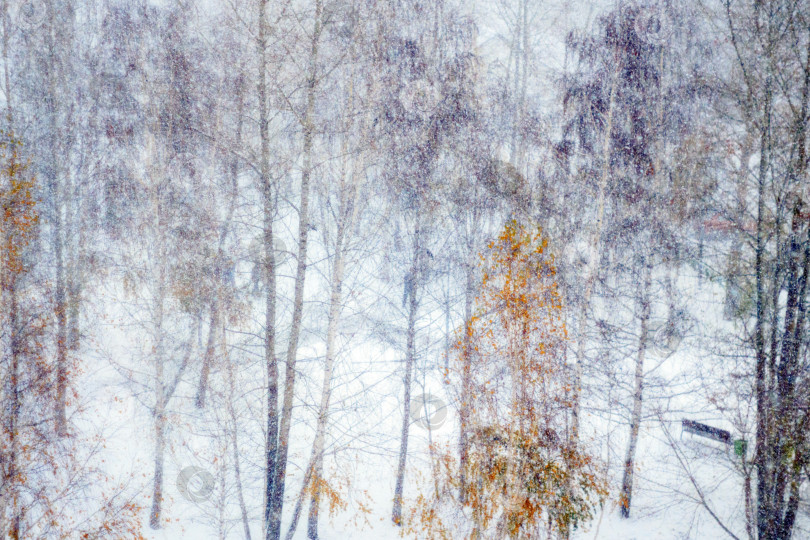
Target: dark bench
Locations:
point(717, 434)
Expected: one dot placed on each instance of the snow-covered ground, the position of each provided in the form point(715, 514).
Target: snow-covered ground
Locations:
point(681, 479)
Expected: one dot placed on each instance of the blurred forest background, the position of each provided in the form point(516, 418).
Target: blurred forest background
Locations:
point(370, 268)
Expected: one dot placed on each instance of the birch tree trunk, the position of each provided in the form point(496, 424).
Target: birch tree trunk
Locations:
point(157, 216)
point(519, 158)
point(160, 447)
point(158, 291)
point(790, 430)
point(349, 210)
point(785, 431)
point(764, 510)
point(12, 492)
point(347, 215)
point(594, 252)
point(271, 362)
point(466, 373)
point(638, 392)
point(410, 353)
point(10, 340)
point(638, 387)
point(308, 124)
point(55, 196)
point(326, 391)
point(220, 258)
point(71, 184)
point(234, 429)
point(516, 51)
point(208, 357)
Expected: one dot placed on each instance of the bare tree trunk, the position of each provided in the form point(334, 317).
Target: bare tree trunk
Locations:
point(12, 478)
point(271, 362)
point(308, 125)
point(6, 78)
point(520, 161)
point(593, 262)
point(55, 198)
point(158, 291)
point(315, 466)
point(8, 303)
point(160, 447)
point(299, 501)
point(208, 358)
point(517, 52)
point(76, 212)
point(347, 214)
point(349, 209)
point(238, 478)
point(466, 379)
point(790, 430)
point(72, 295)
point(220, 260)
point(749, 502)
point(410, 353)
point(235, 445)
point(73, 280)
point(635, 420)
point(638, 393)
point(72, 200)
point(317, 450)
point(764, 511)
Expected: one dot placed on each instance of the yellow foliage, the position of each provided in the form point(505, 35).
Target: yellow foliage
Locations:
point(522, 477)
point(19, 212)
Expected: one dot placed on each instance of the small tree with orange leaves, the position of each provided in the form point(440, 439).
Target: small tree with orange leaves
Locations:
point(520, 476)
point(47, 487)
point(22, 330)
